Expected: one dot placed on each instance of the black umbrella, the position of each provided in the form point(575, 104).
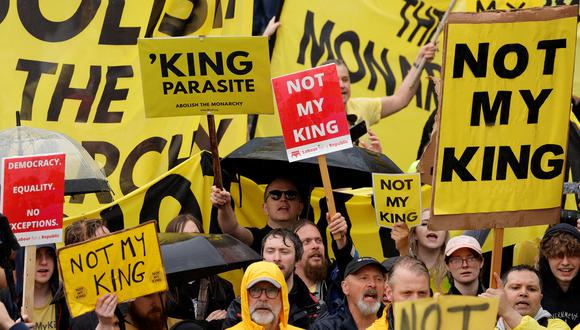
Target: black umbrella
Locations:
point(188, 257)
point(263, 159)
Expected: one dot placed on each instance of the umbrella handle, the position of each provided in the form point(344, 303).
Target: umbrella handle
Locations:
point(327, 189)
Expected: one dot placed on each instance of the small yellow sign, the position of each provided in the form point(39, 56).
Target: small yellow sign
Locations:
point(127, 262)
point(196, 76)
point(447, 312)
point(397, 198)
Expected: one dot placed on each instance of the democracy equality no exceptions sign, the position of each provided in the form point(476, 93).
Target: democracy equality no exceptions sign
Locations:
point(200, 75)
point(33, 197)
point(311, 112)
point(127, 263)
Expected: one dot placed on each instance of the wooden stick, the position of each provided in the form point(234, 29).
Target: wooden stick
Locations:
point(434, 38)
point(29, 274)
point(327, 189)
point(217, 169)
point(496, 255)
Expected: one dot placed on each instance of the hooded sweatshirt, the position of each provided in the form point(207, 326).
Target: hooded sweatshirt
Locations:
point(263, 269)
point(541, 316)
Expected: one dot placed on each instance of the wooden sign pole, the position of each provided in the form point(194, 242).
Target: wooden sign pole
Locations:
point(327, 189)
point(29, 274)
point(496, 255)
point(217, 169)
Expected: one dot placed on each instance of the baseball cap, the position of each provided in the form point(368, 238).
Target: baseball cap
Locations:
point(462, 241)
point(356, 264)
point(264, 279)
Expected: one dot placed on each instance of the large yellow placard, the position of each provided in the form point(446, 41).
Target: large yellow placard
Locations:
point(195, 76)
point(127, 263)
point(397, 198)
point(447, 312)
point(505, 109)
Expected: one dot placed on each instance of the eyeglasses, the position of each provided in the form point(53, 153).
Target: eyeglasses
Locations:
point(256, 292)
point(458, 261)
point(277, 194)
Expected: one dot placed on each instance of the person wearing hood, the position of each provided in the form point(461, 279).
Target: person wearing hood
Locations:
point(520, 295)
point(559, 264)
point(49, 312)
point(264, 298)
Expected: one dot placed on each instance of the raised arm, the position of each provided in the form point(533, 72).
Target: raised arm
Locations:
point(227, 220)
point(403, 95)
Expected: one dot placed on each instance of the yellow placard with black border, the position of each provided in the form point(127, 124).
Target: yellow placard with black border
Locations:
point(397, 198)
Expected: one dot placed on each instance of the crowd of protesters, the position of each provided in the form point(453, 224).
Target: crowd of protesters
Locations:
point(297, 285)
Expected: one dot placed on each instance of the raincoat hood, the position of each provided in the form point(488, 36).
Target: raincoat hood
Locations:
point(271, 272)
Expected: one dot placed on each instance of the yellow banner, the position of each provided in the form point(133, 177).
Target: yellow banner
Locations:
point(397, 198)
point(208, 17)
point(447, 312)
point(379, 40)
point(505, 110)
point(195, 76)
point(72, 67)
point(127, 263)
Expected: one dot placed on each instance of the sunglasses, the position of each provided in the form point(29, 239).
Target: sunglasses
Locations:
point(277, 194)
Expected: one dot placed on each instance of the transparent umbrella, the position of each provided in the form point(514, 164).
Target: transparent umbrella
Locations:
point(82, 173)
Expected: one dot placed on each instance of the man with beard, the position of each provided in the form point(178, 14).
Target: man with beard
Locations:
point(363, 287)
point(520, 294)
point(408, 280)
point(321, 277)
point(283, 248)
point(148, 313)
point(264, 298)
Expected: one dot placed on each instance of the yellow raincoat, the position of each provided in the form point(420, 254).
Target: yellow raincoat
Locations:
point(258, 270)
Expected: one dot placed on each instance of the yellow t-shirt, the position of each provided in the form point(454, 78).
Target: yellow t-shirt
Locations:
point(367, 109)
point(45, 317)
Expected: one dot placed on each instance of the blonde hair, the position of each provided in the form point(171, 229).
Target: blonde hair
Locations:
point(438, 272)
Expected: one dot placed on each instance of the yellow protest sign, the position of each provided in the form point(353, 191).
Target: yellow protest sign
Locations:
point(194, 76)
point(127, 262)
point(397, 198)
point(447, 312)
point(505, 110)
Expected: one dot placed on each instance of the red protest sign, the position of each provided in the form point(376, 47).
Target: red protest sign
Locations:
point(311, 112)
point(33, 197)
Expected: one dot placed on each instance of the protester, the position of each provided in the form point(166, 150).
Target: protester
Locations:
point(519, 295)
point(464, 262)
point(314, 268)
point(558, 265)
point(283, 204)
point(283, 248)
point(49, 311)
point(408, 280)
point(264, 298)
point(363, 287)
point(428, 246)
point(204, 299)
point(149, 313)
point(371, 110)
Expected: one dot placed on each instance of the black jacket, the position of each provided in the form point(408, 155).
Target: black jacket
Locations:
point(341, 320)
point(331, 291)
point(562, 305)
point(304, 308)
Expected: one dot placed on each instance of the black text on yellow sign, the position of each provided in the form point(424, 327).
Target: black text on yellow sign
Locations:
point(504, 115)
point(446, 312)
point(193, 76)
point(128, 263)
point(397, 198)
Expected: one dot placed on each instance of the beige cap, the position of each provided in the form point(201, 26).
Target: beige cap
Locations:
point(462, 241)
